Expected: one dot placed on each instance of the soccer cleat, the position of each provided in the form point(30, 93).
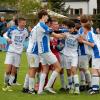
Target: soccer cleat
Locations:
point(4, 88)
point(82, 87)
point(71, 91)
point(94, 92)
point(7, 88)
point(32, 92)
point(50, 90)
point(76, 92)
point(24, 90)
point(62, 89)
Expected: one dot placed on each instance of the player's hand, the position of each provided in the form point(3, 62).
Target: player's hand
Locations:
point(9, 41)
point(80, 39)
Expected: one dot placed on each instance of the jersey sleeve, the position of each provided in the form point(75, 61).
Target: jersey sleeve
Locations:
point(9, 31)
point(46, 28)
point(90, 38)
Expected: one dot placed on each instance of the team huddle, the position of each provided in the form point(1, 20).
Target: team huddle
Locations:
point(54, 48)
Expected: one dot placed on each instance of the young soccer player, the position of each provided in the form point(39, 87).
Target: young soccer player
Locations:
point(33, 61)
point(85, 76)
point(43, 34)
point(70, 53)
point(93, 43)
point(15, 37)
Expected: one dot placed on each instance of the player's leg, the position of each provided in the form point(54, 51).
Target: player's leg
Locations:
point(62, 63)
point(34, 64)
point(82, 74)
point(43, 75)
point(51, 58)
point(8, 62)
point(95, 76)
point(74, 64)
point(16, 64)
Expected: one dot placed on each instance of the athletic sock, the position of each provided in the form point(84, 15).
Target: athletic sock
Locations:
point(31, 83)
point(76, 82)
point(42, 82)
point(52, 78)
point(62, 81)
point(26, 82)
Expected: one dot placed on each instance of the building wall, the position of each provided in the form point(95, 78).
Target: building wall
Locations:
point(92, 5)
point(86, 6)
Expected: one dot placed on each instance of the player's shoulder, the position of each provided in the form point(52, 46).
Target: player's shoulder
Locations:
point(80, 30)
point(43, 25)
point(12, 28)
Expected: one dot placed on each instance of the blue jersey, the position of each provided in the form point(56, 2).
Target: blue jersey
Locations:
point(91, 37)
point(33, 46)
point(83, 48)
point(43, 38)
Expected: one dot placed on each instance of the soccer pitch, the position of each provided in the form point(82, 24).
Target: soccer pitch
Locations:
point(18, 95)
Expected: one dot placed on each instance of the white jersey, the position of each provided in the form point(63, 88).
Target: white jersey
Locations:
point(43, 38)
point(33, 46)
point(71, 45)
point(17, 36)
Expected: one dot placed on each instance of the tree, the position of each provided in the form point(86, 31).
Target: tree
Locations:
point(27, 6)
point(98, 6)
point(58, 6)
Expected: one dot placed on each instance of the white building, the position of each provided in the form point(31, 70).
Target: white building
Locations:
point(78, 7)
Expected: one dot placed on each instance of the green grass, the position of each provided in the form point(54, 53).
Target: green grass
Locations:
point(18, 95)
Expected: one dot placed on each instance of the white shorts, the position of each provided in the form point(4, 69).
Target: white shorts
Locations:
point(84, 61)
point(70, 62)
point(13, 59)
point(96, 63)
point(48, 58)
point(33, 60)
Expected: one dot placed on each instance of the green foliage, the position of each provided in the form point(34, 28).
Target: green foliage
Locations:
point(28, 6)
point(96, 21)
point(56, 5)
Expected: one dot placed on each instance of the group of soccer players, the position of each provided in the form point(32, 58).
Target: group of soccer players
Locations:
point(53, 47)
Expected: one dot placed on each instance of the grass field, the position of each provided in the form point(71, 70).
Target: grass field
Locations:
point(18, 95)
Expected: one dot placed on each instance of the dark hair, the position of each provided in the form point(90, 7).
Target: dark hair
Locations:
point(49, 19)
point(66, 22)
point(42, 13)
point(21, 19)
point(87, 26)
point(77, 26)
point(84, 19)
point(71, 24)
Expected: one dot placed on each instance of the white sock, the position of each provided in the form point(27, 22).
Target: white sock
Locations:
point(11, 79)
point(62, 81)
point(26, 82)
point(82, 78)
point(76, 82)
point(42, 82)
point(52, 78)
point(6, 78)
point(95, 82)
point(88, 77)
point(70, 82)
point(31, 83)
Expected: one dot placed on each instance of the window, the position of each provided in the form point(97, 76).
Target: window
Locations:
point(77, 11)
point(94, 11)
